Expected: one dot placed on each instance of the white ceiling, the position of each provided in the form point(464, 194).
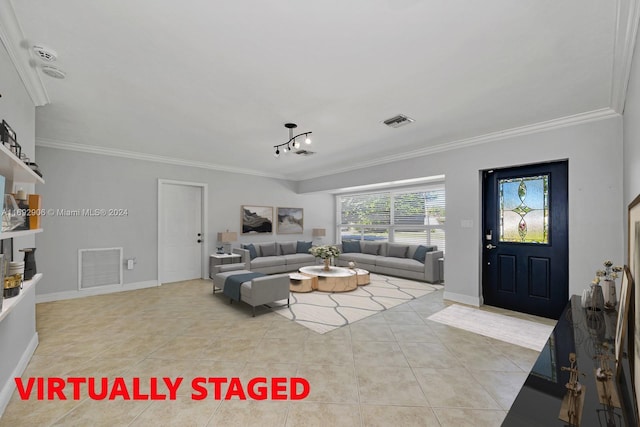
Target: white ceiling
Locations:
point(215, 81)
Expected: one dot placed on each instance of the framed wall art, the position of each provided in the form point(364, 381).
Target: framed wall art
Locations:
point(256, 219)
point(290, 221)
point(633, 261)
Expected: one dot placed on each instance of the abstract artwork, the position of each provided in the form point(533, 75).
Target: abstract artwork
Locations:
point(290, 221)
point(256, 219)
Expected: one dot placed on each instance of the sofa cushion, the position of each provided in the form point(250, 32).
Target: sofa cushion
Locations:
point(299, 259)
point(359, 258)
point(351, 246)
point(397, 251)
point(287, 248)
point(252, 250)
point(268, 249)
point(371, 248)
point(400, 263)
point(303, 247)
point(420, 253)
point(267, 261)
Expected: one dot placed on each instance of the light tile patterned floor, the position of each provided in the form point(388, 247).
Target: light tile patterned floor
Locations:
point(393, 368)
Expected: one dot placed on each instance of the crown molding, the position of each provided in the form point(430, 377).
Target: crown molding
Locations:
point(13, 39)
point(627, 17)
point(591, 116)
point(72, 146)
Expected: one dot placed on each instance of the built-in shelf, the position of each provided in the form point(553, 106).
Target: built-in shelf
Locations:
point(14, 169)
point(20, 233)
point(10, 303)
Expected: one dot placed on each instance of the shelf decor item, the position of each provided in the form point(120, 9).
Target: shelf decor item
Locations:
point(29, 263)
point(7, 135)
point(326, 253)
point(607, 279)
point(11, 218)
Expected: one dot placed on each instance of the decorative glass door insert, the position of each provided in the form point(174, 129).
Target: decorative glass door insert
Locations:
point(524, 209)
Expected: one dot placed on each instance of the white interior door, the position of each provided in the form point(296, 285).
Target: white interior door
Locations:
point(181, 232)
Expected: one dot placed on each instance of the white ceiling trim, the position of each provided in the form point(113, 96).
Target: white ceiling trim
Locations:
point(13, 39)
point(72, 146)
point(601, 114)
point(628, 15)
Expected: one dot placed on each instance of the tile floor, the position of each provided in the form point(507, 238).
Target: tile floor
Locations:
point(393, 368)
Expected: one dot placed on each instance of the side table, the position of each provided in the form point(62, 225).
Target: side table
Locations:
point(220, 259)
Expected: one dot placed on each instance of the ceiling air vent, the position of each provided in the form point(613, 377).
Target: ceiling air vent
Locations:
point(397, 121)
point(305, 152)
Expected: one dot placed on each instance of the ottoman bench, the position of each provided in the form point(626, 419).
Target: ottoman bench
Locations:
point(257, 290)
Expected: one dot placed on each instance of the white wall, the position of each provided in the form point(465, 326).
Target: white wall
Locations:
point(76, 180)
point(594, 151)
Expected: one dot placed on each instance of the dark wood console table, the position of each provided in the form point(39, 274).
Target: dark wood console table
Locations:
point(541, 396)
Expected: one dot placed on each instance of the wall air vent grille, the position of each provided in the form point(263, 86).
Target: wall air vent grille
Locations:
point(99, 267)
point(399, 120)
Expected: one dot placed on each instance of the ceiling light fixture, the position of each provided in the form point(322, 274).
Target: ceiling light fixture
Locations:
point(292, 142)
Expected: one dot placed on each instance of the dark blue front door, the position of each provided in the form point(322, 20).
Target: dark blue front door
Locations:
point(525, 239)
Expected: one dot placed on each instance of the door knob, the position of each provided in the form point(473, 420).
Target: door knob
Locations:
point(490, 246)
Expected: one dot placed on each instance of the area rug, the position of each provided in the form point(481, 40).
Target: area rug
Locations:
point(524, 333)
point(323, 311)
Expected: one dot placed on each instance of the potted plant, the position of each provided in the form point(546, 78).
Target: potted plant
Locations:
point(326, 253)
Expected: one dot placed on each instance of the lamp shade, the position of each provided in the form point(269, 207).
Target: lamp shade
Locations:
point(319, 232)
point(228, 236)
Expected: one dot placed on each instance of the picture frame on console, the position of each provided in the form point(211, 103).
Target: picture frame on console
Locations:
point(290, 220)
point(256, 219)
point(633, 262)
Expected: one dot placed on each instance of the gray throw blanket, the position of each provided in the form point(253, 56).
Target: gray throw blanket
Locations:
point(232, 284)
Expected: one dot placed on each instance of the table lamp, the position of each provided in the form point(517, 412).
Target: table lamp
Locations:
point(318, 233)
point(226, 237)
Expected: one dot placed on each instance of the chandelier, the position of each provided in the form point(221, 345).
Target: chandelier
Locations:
point(292, 143)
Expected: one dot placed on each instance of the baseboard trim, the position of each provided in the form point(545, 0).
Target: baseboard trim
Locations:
point(10, 385)
point(58, 296)
point(463, 299)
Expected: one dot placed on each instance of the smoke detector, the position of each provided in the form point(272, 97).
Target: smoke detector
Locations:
point(45, 53)
point(399, 120)
point(53, 72)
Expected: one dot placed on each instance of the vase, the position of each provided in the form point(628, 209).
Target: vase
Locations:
point(29, 263)
point(609, 293)
point(327, 264)
point(597, 298)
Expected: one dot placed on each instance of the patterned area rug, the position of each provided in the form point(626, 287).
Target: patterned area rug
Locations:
point(524, 333)
point(323, 311)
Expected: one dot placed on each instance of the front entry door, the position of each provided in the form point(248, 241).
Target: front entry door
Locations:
point(181, 224)
point(525, 239)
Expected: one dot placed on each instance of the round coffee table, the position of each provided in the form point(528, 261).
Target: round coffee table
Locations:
point(337, 279)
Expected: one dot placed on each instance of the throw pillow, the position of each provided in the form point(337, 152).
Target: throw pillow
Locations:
point(371, 248)
point(421, 252)
point(351, 246)
point(268, 249)
point(303, 247)
point(252, 250)
point(287, 248)
point(397, 251)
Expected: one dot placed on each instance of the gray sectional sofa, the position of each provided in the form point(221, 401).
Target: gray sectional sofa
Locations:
point(394, 259)
point(276, 257)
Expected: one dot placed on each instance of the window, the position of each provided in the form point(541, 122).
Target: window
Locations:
point(415, 216)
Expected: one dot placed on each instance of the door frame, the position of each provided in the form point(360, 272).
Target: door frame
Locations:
point(203, 218)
